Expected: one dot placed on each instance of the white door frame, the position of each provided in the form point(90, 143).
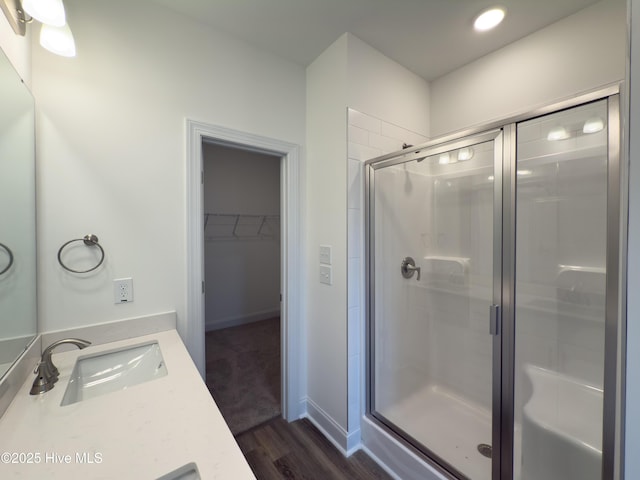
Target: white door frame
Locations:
point(193, 337)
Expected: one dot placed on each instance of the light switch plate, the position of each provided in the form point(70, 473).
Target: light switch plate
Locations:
point(326, 275)
point(325, 254)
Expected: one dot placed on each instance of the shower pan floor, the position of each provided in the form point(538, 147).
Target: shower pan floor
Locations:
point(449, 425)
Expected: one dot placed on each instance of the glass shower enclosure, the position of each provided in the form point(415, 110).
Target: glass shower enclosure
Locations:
point(492, 272)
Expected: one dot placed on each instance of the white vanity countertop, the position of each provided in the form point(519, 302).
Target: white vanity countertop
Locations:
point(143, 432)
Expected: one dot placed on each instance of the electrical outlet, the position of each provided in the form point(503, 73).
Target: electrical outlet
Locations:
point(123, 290)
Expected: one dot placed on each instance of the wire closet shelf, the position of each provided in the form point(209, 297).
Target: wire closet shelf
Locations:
point(240, 227)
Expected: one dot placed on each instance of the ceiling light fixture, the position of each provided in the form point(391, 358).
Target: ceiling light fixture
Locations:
point(50, 12)
point(55, 34)
point(489, 19)
point(558, 133)
point(593, 125)
point(465, 154)
point(444, 159)
point(58, 40)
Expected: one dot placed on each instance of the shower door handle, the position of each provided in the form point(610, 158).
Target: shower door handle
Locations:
point(408, 268)
point(494, 319)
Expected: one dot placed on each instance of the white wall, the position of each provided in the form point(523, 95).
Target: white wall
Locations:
point(242, 272)
point(326, 187)
point(111, 137)
point(348, 74)
point(579, 53)
point(382, 88)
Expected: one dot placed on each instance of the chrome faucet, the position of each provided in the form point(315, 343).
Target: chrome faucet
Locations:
point(46, 372)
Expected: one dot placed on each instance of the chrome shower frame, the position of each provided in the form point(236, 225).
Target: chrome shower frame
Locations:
point(503, 132)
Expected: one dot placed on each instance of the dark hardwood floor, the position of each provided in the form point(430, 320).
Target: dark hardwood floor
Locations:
point(279, 450)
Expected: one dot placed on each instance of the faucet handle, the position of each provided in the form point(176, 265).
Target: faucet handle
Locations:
point(43, 382)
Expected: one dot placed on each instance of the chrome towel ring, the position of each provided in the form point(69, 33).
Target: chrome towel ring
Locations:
point(10, 253)
point(90, 241)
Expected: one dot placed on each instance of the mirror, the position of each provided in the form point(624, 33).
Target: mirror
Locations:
point(18, 310)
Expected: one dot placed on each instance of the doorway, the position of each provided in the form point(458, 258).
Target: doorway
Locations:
point(242, 283)
point(193, 326)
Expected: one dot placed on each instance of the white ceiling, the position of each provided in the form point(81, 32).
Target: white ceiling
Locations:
point(430, 37)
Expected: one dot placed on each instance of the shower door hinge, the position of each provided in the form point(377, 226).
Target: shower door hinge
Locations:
point(494, 319)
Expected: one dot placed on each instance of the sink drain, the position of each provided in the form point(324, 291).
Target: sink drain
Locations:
point(485, 450)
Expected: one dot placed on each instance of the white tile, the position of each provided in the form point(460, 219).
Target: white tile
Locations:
point(416, 138)
point(354, 234)
point(362, 152)
point(353, 281)
point(385, 144)
point(402, 134)
point(354, 331)
point(362, 120)
point(354, 196)
point(354, 391)
point(358, 135)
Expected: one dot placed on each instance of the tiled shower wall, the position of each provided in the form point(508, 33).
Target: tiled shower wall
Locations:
point(368, 137)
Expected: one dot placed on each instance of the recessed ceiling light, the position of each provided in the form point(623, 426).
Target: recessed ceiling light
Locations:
point(444, 159)
point(489, 19)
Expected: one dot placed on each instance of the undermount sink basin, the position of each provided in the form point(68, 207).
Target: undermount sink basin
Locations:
point(186, 472)
point(119, 369)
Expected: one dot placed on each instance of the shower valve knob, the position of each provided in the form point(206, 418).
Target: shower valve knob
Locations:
point(408, 268)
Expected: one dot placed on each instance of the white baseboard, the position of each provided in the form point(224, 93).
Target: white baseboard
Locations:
point(300, 412)
point(354, 442)
point(346, 443)
point(240, 320)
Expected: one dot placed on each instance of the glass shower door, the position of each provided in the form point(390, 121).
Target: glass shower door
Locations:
point(560, 290)
point(432, 281)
